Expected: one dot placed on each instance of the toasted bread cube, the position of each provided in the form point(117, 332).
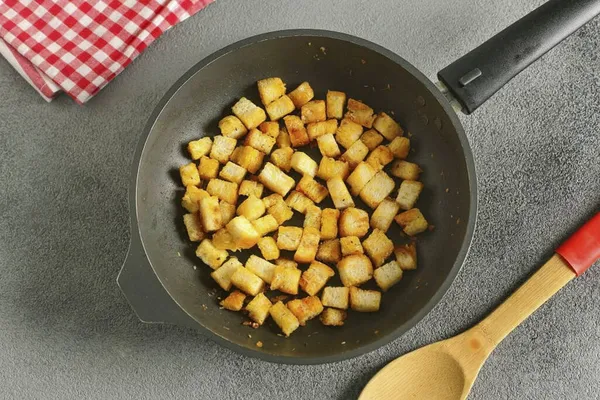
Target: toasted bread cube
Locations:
point(353, 222)
point(270, 128)
point(378, 247)
point(296, 130)
point(193, 225)
point(227, 211)
point(387, 126)
point(315, 277)
point(304, 164)
point(333, 317)
point(208, 168)
point(384, 214)
point(222, 148)
point(336, 297)
point(371, 139)
point(329, 223)
point(388, 275)
point(309, 245)
point(272, 199)
point(248, 157)
point(348, 132)
point(261, 268)
point(276, 180)
point(243, 232)
point(328, 146)
point(312, 189)
point(412, 221)
point(355, 154)
point(318, 129)
point(189, 175)
point(232, 127)
point(302, 94)
point(312, 217)
point(280, 108)
point(408, 194)
point(283, 139)
point(284, 318)
point(249, 113)
point(298, 201)
point(400, 147)
point(405, 170)
point(265, 225)
point(330, 168)
point(223, 240)
point(355, 270)
point(281, 212)
point(351, 245)
point(199, 148)
point(210, 214)
point(210, 255)
point(251, 188)
point(233, 302)
point(224, 190)
point(191, 198)
point(260, 141)
point(364, 300)
point(329, 251)
point(377, 189)
point(380, 157)
point(258, 308)
point(286, 263)
point(233, 172)
point(339, 193)
point(288, 237)
point(360, 113)
point(268, 248)
point(247, 281)
point(286, 279)
point(223, 275)
point(335, 104)
point(305, 309)
point(270, 89)
point(282, 158)
point(251, 208)
point(406, 255)
point(313, 111)
point(359, 178)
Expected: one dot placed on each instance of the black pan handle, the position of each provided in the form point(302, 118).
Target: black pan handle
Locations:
point(477, 75)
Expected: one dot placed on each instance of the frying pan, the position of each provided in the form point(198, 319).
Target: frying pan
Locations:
point(166, 283)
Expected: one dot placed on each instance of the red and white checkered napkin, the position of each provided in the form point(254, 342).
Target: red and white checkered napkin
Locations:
point(78, 46)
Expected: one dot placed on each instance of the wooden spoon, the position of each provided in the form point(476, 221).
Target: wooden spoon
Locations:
point(447, 369)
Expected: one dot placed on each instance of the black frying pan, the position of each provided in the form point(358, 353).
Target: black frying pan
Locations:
point(158, 277)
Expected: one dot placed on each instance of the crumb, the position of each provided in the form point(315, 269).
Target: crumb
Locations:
point(204, 307)
point(309, 43)
point(373, 87)
point(226, 328)
point(393, 113)
point(255, 325)
point(195, 268)
point(343, 342)
point(365, 85)
point(363, 62)
point(212, 292)
point(251, 324)
point(388, 87)
point(408, 134)
point(376, 332)
point(178, 254)
point(323, 50)
point(447, 190)
point(279, 334)
point(250, 336)
point(221, 308)
point(457, 221)
point(350, 72)
point(294, 349)
point(259, 344)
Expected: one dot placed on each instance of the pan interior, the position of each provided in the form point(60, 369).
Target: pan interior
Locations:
point(366, 73)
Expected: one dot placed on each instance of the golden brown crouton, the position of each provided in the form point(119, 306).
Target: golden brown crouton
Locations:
point(336, 297)
point(283, 139)
point(243, 232)
point(309, 245)
point(261, 268)
point(304, 164)
point(405, 170)
point(408, 194)
point(224, 190)
point(371, 139)
point(380, 157)
point(284, 318)
point(312, 217)
point(328, 146)
point(189, 175)
point(305, 309)
point(339, 193)
point(315, 277)
point(210, 214)
point(312, 189)
point(288, 237)
point(302, 94)
point(351, 245)
point(282, 158)
point(333, 317)
point(330, 168)
point(191, 198)
point(329, 251)
point(258, 308)
point(329, 223)
point(208, 168)
point(227, 211)
point(313, 111)
point(298, 201)
point(286, 263)
point(260, 141)
point(270, 89)
point(400, 147)
point(387, 126)
point(377, 189)
point(360, 113)
point(270, 128)
point(223, 274)
point(232, 127)
point(249, 113)
point(296, 131)
point(355, 270)
point(364, 300)
point(265, 224)
point(286, 279)
point(412, 221)
point(248, 157)
point(318, 129)
point(281, 212)
point(348, 132)
point(275, 179)
point(193, 225)
point(280, 108)
point(354, 222)
point(248, 188)
point(233, 302)
point(199, 148)
point(247, 281)
point(384, 214)
point(378, 247)
point(210, 255)
point(406, 255)
point(359, 178)
point(388, 275)
point(222, 148)
point(232, 172)
point(335, 104)
point(355, 153)
point(251, 208)
point(223, 240)
point(268, 248)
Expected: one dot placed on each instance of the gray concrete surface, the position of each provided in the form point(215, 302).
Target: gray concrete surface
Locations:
point(67, 332)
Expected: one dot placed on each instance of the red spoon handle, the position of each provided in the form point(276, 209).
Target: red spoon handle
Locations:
point(582, 249)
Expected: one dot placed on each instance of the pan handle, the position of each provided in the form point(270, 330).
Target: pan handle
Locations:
point(476, 76)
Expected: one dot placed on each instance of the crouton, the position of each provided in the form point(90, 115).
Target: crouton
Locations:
point(387, 126)
point(388, 275)
point(305, 309)
point(377, 189)
point(249, 113)
point(384, 214)
point(336, 297)
point(223, 274)
point(288, 237)
point(272, 199)
point(260, 141)
point(400, 147)
point(189, 175)
point(270, 89)
point(280, 108)
point(301, 95)
point(281, 212)
point(282, 158)
point(270, 128)
point(412, 221)
point(333, 317)
point(251, 208)
point(243, 232)
point(210, 255)
point(378, 247)
point(317, 129)
point(227, 211)
point(304, 164)
point(380, 157)
point(258, 308)
point(408, 194)
point(286, 263)
point(224, 190)
point(359, 178)
point(353, 222)
point(193, 225)
point(329, 251)
point(330, 168)
point(339, 193)
point(360, 113)
point(261, 268)
point(351, 245)
point(328, 146)
point(247, 281)
point(315, 277)
point(251, 188)
point(371, 139)
point(298, 201)
point(268, 248)
point(191, 198)
point(223, 240)
point(405, 170)
point(233, 172)
point(347, 133)
point(276, 180)
point(222, 148)
point(233, 302)
point(355, 154)
point(210, 214)
point(312, 217)
point(284, 318)
point(296, 130)
point(208, 168)
point(355, 270)
point(286, 279)
point(312, 189)
point(283, 139)
point(313, 111)
point(335, 104)
point(248, 157)
point(309, 245)
point(199, 148)
point(329, 223)
point(406, 255)
point(364, 300)
point(265, 225)
point(232, 127)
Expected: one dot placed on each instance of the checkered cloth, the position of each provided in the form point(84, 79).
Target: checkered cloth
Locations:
point(79, 46)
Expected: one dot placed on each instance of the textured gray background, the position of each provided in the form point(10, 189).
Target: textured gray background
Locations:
point(67, 332)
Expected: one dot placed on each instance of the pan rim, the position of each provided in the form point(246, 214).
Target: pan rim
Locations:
point(136, 236)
